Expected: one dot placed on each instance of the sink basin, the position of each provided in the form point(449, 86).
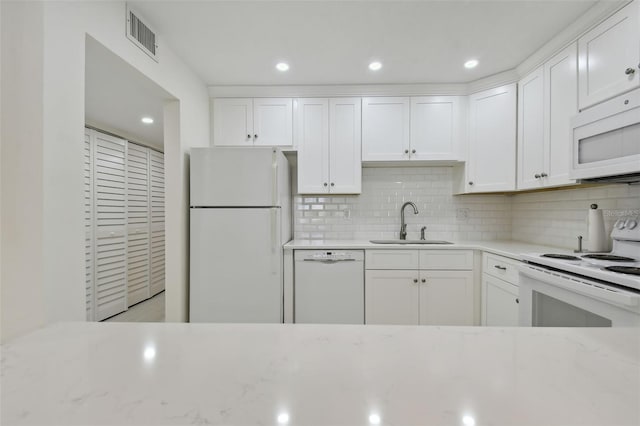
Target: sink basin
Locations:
point(410, 242)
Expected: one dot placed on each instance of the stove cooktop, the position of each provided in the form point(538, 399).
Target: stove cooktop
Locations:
point(609, 257)
point(560, 256)
point(632, 270)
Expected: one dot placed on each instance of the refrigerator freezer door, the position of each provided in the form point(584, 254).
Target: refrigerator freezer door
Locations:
point(236, 265)
point(237, 176)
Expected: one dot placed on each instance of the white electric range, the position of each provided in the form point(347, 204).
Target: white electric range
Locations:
point(585, 289)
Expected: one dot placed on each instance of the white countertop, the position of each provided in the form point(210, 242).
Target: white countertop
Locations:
point(116, 373)
point(511, 249)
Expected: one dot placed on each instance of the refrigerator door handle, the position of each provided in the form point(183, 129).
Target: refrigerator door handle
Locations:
point(274, 239)
point(274, 178)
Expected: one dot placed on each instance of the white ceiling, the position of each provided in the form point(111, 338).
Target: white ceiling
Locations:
point(117, 96)
point(332, 42)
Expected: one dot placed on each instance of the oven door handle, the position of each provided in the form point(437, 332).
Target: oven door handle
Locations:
point(582, 286)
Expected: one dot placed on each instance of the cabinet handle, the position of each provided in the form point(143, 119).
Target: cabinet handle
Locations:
point(413, 151)
point(406, 151)
point(629, 71)
point(537, 176)
point(415, 280)
point(333, 184)
point(517, 300)
point(424, 280)
point(248, 136)
point(470, 183)
point(502, 268)
point(325, 184)
point(543, 174)
point(255, 136)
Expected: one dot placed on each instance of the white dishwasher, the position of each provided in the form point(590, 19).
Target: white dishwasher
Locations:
point(329, 287)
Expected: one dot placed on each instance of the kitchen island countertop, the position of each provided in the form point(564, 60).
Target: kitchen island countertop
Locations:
point(152, 374)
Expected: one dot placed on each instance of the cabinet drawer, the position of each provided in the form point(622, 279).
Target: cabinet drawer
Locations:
point(501, 267)
point(391, 259)
point(446, 259)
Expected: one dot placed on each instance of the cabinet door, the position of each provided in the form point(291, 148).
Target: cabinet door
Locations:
point(606, 53)
point(531, 130)
point(385, 129)
point(110, 226)
point(273, 121)
point(312, 140)
point(499, 302)
point(391, 297)
point(157, 278)
point(345, 165)
point(435, 128)
point(233, 122)
point(138, 215)
point(446, 297)
point(88, 224)
point(492, 140)
point(561, 104)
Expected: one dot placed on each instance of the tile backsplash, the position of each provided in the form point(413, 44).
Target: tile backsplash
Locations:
point(552, 218)
point(375, 214)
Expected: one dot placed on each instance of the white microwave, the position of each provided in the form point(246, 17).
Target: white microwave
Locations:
point(606, 141)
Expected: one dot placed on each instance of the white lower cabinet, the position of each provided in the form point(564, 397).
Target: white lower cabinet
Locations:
point(500, 303)
point(407, 293)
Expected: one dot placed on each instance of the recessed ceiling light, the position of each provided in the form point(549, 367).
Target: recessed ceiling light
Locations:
point(375, 66)
point(147, 120)
point(472, 63)
point(282, 66)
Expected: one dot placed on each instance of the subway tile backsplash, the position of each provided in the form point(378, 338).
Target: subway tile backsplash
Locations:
point(552, 218)
point(375, 214)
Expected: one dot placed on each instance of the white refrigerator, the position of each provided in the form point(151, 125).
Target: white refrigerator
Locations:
point(240, 218)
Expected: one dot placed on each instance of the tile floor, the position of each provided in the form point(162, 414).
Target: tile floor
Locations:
point(151, 310)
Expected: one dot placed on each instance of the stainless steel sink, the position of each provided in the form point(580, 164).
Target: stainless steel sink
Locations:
point(410, 242)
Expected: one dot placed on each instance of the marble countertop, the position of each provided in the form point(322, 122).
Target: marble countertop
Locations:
point(153, 374)
point(512, 249)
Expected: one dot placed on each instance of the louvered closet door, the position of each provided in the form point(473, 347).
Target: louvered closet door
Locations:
point(88, 223)
point(110, 226)
point(138, 213)
point(157, 222)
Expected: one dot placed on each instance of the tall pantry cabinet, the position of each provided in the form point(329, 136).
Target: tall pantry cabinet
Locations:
point(124, 224)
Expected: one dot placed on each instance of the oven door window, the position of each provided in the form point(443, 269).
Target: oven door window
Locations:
point(552, 312)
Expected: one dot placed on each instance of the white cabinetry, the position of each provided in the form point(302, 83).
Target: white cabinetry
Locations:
point(385, 128)
point(247, 122)
point(500, 303)
point(492, 140)
point(411, 287)
point(156, 188)
point(547, 101)
point(329, 145)
point(609, 57)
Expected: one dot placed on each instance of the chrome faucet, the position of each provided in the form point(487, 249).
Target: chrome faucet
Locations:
point(403, 226)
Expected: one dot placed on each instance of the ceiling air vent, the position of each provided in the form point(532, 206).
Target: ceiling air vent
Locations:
point(141, 35)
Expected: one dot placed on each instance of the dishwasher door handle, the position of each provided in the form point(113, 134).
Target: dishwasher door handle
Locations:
point(329, 260)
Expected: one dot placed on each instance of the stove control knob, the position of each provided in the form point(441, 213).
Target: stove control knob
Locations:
point(630, 223)
point(619, 224)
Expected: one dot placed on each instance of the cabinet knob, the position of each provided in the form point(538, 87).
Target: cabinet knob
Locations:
point(325, 184)
point(333, 184)
point(537, 176)
point(470, 182)
point(629, 71)
point(424, 280)
point(543, 174)
point(415, 280)
point(406, 151)
point(255, 136)
point(248, 136)
point(413, 151)
point(626, 101)
point(517, 300)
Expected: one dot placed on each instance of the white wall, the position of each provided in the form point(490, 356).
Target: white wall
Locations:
point(59, 144)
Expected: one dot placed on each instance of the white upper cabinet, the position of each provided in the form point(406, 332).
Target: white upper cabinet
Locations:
point(561, 104)
point(233, 121)
point(530, 130)
point(385, 128)
point(273, 121)
point(492, 140)
point(312, 140)
point(609, 57)
point(329, 144)
point(260, 121)
point(436, 127)
point(345, 146)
